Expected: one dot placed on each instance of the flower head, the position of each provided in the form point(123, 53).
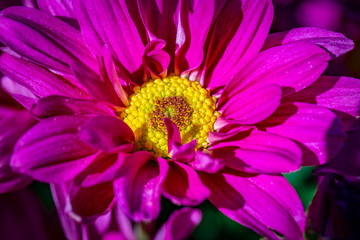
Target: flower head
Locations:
point(186, 99)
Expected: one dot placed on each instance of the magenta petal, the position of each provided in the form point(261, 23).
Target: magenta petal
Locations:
point(11, 181)
point(195, 18)
point(262, 152)
point(341, 94)
point(156, 60)
point(180, 224)
point(293, 66)
point(317, 130)
point(51, 151)
point(173, 134)
point(138, 188)
point(231, 47)
point(57, 8)
point(335, 43)
point(87, 203)
point(38, 80)
point(260, 202)
point(109, 22)
point(59, 105)
point(43, 38)
point(108, 133)
point(206, 163)
point(252, 105)
point(183, 185)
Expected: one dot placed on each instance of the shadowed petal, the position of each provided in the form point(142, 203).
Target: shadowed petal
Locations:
point(317, 130)
point(59, 105)
point(335, 43)
point(43, 38)
point(292, 66)
point(340, 94)
point(51, 151)
point(206, 163)
point(234, 45)
point(138, 188)
point(180, 224)
point(252, 105)
point(57, 8)
point(260, 202)
point(183, 185)
point(108, 134)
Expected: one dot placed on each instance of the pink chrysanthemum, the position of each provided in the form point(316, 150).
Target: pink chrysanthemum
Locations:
point(188, 99)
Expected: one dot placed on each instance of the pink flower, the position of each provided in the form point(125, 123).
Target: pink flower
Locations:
point(186, 99)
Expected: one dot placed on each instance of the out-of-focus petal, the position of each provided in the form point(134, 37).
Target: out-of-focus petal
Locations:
point(18, 92)
point(108, 133)
point(57, 8)
point(51, 151)
point(341, 94)
point(317, 130)
point(183, 185)
point(43, 38)
point(261, 202)
point(260, 152)
point(156, 60)
point(252, 105)
point(292, 66)
point(109, 22)
point(232, 47)
point(138, 188)
point(54, 105)
point(206, 163)
point(179, 225)
point(335, 43)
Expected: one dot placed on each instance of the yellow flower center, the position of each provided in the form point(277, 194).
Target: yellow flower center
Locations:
point(186, 103)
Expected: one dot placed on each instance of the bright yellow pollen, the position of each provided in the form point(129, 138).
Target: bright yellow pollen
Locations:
point(186, 103)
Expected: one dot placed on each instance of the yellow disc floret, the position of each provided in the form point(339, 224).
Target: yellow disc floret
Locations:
point(186, 103)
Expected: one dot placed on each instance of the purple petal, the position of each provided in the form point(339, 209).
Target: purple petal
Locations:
point(252, 105)
point(292, 66)
point(156, 60)
point(317, 130)
point(173, 134)
point(195, 20)
point(43, 38)
point(51, 151)
point(261, 152)
point(109, 22)
point(38, 80)
point(91, 202)
point(260, 202)
point(11, 181)
point(57, 8)
point(183, 152)
point(341, 94)
point(204, 162)
point(183, 185)
point(180, 224)
point(108, 133)
point(335, 43)
point(238, 35)
point(138, 188)
point(59, 105)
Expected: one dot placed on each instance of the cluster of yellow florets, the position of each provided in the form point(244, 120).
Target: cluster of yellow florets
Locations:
point(186, 103)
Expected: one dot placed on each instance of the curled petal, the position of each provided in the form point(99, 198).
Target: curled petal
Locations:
point(183, 185)
point(204, 162)
point(156, 60)
point(138, 188)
